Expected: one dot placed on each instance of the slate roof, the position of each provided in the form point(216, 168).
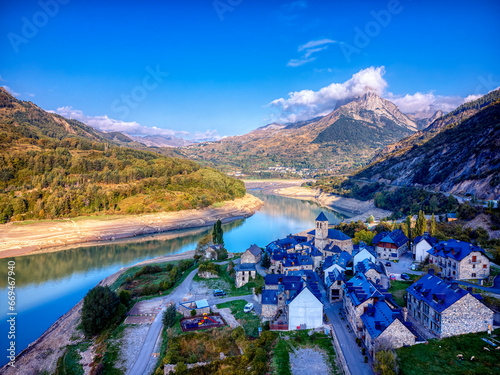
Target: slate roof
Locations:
point(396, 237)
point(454, 249)
point(293, 260)
point(378, 317)
point(366, 265)
point(359, 289)
point(341, 259)
point(435, 292)
point(255, 250)
point(321, 217)
point(427, 237)
point(270, 297)
point(276, 279)
point(333, 234)
point(314, 252)
point(334, 275)
point(451, 215)
point(290, 300)
point(332, 248)
point(245, 267)
point(356, 249)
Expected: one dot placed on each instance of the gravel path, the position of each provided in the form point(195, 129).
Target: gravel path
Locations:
point(133, 337)
point(306, 361)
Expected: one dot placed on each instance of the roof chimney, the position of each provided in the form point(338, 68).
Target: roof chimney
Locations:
point(431, 271)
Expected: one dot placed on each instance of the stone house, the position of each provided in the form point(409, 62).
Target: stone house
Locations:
point(336, 261)
point(252, 255)
point(359, 292)
point(296, 262)
point(390, 245)
point(460, 260)
point(200, 307)
point(421, 246)
point(244, 272)
point(443, 309)
point(323, 237)
point(372, 271)
point(334, 283)
point(385, 327)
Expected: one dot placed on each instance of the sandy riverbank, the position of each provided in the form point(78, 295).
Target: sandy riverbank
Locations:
point(355, 209)
point(23, 238)
point(43, 353)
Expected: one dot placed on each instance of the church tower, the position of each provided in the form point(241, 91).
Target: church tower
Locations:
point(321, 233)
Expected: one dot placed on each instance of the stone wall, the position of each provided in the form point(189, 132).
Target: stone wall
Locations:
point(396, 335)
point(243, 277)
point(335, 286)
point(474, 270)
point(187, 312)
point(467, 315)
point(268, 311)
point(372, 275)
point(207, 275)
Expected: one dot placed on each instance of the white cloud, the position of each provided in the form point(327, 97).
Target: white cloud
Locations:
point(306, 104)
point(426, 104)
point(310, 48)
point(290, 7)
point(30, 95)
point(1, 79)
point(208, 135)
point(315, 43)
point(12, 92)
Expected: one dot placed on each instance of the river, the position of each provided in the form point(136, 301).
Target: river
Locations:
point(50, 284)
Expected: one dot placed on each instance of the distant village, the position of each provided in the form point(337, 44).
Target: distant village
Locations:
point(357, 277)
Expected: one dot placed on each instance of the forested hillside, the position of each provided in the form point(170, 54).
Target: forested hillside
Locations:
point(51, 167)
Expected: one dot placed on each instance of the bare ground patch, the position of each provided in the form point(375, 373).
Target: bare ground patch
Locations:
point(308, 361)
point(131, 344)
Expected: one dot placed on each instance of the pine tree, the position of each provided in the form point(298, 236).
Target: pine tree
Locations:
point(408, 227)
point(421, 224)
point(433, 225)
point(266, 260)
point(218, 233)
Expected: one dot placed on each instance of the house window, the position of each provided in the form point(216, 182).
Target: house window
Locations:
point(453, 273)
point(474, 258)
point(473, 266)
point(484, 266)
point(473, 275)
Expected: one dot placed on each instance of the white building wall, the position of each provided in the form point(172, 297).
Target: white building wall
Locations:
point(305, 309)
point(362, 255)
point(330, 269)
point(420, 250)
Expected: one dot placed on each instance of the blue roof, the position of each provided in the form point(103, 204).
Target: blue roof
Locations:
point(366, 265)
point(334, 275)
point(333, 234)
point(321, 217)
point(359, 289)
point(341, 259)
point(451, 215)
point(454, 249)
point(292, 260)
point(270, 297)
point(332, 248)
point(426, 236)
point(396, 237)
point(245, 267)
point(357, 249)
point(279, 278)
point(378, 317)
point(437, 293)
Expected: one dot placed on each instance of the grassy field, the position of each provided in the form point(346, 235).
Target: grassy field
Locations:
point(440, 356)
point(250, 321)
point(398, 290)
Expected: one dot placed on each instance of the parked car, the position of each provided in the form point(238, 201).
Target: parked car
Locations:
point(219, 293)
point(388, 264)
point(392, 277)
point(413, 267)
point(248, 307)
point(404, 276)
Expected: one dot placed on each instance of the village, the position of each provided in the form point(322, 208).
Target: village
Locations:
point(318, 280)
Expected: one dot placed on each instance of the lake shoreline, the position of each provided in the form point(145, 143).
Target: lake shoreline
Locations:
point(353, 208)
point(17, 239)
point(52, 343)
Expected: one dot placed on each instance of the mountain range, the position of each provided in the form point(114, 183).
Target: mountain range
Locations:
point(341, 141)
point(459, 153)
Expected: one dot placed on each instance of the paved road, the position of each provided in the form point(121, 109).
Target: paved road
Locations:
point(495, 289)
point(347, 340)
point(177, 295)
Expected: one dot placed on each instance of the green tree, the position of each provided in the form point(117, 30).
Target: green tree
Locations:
point(100, 307)
point(363, 235)
point(266, 260)
point(370, 220)
point(421, 224)
point(386, 362)
point(433, 225)
point(218, 233)
point(408, 229)
point(169, 316)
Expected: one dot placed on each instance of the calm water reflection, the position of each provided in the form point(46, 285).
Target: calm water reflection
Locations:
point(48, 285)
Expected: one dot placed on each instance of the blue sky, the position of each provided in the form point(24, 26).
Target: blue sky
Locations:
point(206, 69)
